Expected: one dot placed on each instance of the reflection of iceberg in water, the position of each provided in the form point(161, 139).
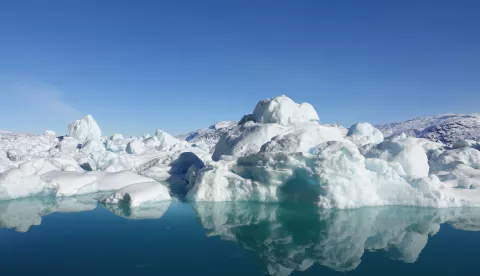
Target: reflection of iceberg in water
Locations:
point(292, 238)
point(21, 214)
point(154, 210)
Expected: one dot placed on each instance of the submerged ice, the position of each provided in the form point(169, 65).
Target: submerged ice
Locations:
point(278, 153)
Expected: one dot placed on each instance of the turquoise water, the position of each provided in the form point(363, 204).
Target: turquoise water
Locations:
point(75, 236)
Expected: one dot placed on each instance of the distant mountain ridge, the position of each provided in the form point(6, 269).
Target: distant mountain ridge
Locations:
point(209, 135)
point(445, 128)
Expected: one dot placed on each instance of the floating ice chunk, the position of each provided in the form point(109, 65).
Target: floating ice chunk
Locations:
point(135, 147)
point(49, 133)
point(84, 129)
point(137, 194)
point(364, 133)
point(282, 110)
point(116, 136)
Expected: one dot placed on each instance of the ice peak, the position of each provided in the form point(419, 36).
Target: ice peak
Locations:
point(284, 111)
point(84, 129)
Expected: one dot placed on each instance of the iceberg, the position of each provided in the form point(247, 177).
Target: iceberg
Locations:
point(280, 152)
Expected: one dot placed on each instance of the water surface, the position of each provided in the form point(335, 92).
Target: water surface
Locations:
point(75, 236)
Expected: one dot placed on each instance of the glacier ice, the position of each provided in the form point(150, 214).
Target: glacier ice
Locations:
point(280, 152)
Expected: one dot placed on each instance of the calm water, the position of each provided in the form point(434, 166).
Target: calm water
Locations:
point(74, 236)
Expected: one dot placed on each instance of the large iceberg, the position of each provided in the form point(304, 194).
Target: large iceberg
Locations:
point(278, 153)
point(275, 155)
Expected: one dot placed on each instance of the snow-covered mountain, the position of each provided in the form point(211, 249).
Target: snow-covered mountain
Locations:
point(447, 128)
point(209, 135)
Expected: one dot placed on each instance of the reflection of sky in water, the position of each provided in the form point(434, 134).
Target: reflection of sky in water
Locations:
point(211, 238)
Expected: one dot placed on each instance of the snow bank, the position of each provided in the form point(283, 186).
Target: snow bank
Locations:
point(84, 129)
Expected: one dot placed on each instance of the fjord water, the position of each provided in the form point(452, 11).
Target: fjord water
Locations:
point(76, 236)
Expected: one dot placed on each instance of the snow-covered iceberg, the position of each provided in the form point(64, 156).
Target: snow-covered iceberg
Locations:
point(278, 153)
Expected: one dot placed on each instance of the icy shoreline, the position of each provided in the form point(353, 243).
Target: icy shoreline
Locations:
point(279, 153)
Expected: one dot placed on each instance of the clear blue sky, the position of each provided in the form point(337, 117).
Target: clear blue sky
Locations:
point(180, 65)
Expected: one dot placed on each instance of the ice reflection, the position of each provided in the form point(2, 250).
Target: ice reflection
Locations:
point(153, 210)
point(21, 214)
point(289, 238)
